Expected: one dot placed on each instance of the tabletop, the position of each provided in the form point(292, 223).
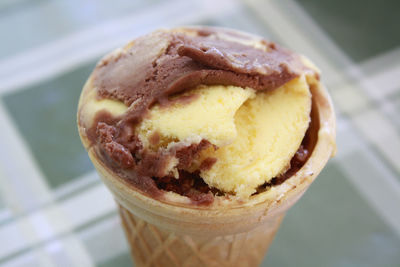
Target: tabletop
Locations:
point(54, 211)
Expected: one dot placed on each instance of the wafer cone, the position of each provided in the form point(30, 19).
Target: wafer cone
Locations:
point(230, 232)
point(154, 246)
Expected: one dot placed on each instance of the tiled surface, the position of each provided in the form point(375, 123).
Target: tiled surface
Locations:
point(55, 212)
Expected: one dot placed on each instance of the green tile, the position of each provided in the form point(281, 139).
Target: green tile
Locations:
point(45, 114)
point(121, 260)
point(363, 29)
point(333, 226)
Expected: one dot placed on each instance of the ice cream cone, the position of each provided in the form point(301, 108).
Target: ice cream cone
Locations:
point(230, 231)
point(154, 246)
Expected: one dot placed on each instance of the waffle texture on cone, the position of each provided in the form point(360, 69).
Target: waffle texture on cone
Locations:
point(154, 246)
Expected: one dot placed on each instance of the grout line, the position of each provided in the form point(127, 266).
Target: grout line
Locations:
point(380, 85)
point(381, 62)
point(383, 135)
point(77, 185)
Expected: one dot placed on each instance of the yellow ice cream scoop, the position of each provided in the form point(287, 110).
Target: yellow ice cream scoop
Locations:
point(255, 135)
point(209, 115)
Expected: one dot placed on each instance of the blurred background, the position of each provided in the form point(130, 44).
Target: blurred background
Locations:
point(55, 212)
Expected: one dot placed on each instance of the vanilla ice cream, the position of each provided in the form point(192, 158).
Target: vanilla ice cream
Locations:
point(197, 111)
